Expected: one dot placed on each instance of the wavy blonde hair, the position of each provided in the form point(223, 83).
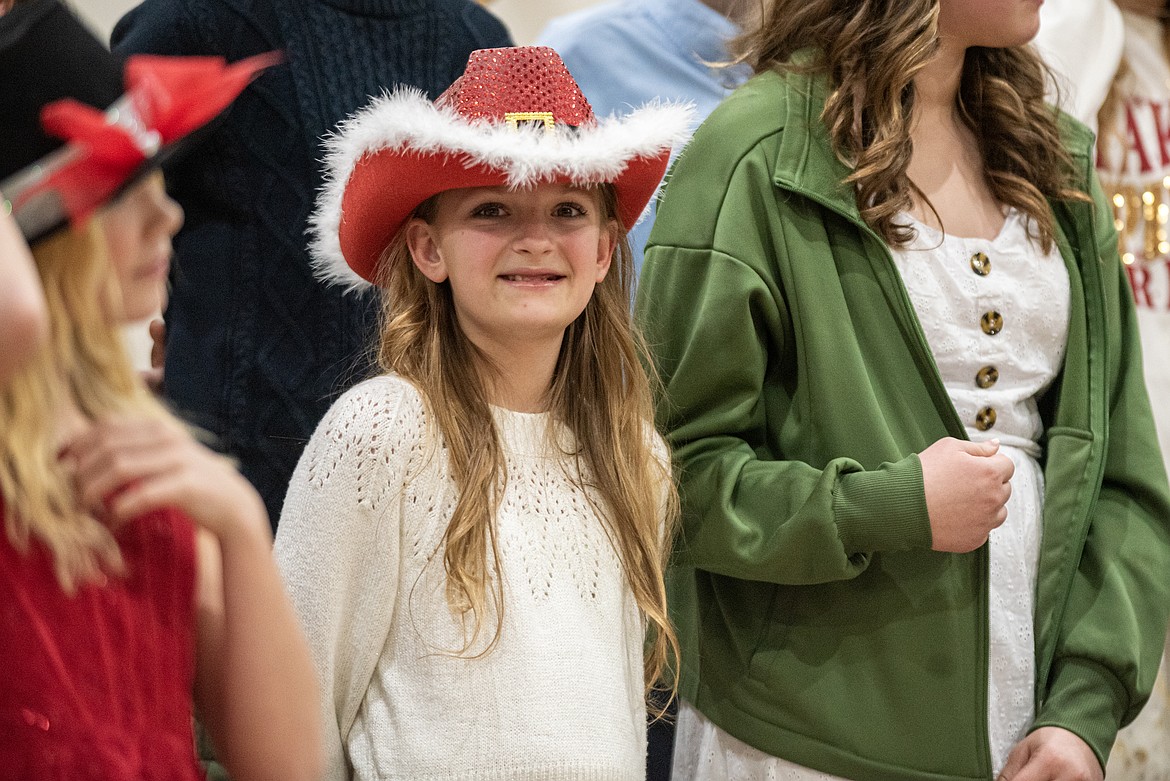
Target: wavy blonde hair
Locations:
point(83, 363)
point(871, 51)
point(599, 390)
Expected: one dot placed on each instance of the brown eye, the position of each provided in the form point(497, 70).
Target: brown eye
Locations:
point(569, 209)
point(488, 210)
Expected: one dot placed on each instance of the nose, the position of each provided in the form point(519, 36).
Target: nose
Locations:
point(161, 212)
point(172, 215)
point(533, 235)
point(168, 214)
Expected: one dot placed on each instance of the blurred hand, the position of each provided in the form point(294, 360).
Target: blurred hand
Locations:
point(967, 490)
point(1052, 754)
point(125, 467)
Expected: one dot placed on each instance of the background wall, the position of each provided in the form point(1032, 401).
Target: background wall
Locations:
point(525, 18)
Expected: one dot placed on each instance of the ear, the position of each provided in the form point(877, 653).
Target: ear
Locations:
point(606, 244)
point(424, 249)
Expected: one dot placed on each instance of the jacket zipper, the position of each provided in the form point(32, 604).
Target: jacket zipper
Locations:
point(925, 359)
point(983, 555)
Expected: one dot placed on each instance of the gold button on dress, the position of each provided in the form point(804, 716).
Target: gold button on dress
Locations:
point(991, 322)
point(987, 376)
point(981, 264)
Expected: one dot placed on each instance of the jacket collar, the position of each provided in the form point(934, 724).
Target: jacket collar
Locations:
point(805, 161)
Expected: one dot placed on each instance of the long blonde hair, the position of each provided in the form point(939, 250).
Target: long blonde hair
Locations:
point(599, 391)
point(83, 362)
point(871, 51)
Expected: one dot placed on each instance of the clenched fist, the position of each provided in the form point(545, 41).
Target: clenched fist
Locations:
point(967, 488)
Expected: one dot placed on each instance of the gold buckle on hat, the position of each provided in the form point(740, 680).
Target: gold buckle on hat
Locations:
point(514, 118)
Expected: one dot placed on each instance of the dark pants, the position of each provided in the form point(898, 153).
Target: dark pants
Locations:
point(660, 748)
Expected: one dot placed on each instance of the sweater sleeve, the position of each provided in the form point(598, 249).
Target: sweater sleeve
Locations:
point(1111, 636)
point(337, 546)
point(661, 455)
point(746, 515)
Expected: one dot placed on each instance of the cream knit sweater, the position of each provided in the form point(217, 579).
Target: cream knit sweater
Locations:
point(360, 547)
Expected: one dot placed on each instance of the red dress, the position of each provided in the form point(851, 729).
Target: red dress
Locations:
point(99, 685)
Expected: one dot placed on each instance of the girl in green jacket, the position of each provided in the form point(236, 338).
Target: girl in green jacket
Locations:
point(925, 516)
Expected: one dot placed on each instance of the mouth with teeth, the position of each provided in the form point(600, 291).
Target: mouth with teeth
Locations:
point(532, 278)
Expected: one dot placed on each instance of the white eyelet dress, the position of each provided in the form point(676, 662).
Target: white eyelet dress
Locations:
point(995, 314)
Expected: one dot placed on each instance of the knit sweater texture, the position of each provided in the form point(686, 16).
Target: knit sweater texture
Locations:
point(257, 348)
point(559, 697)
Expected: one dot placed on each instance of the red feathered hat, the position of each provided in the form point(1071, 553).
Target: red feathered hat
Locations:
point(515, 118)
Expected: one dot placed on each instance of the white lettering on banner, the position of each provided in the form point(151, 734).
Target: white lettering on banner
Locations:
point(1151, 284)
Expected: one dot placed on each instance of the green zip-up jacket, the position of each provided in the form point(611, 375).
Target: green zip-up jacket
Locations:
point(816, 623)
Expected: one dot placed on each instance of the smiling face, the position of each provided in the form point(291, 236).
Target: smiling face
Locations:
point(522, 264)
point(138, 227)
point(993, 24)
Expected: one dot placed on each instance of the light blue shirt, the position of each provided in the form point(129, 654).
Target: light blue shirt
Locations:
point(630, 52)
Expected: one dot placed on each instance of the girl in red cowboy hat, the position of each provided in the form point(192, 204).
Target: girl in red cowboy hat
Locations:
point(136, 579)
point(474, 540)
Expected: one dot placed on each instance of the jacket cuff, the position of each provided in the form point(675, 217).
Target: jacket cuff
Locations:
point(1086, 699)
point(883, 509)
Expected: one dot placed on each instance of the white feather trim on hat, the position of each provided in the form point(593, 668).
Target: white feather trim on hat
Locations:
point(406, 119)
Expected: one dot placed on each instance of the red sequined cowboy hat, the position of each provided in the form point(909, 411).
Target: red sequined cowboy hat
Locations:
point(80, 126)
point(515, 118)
